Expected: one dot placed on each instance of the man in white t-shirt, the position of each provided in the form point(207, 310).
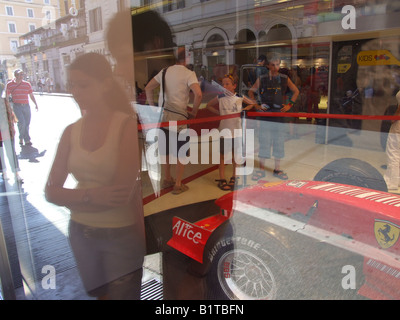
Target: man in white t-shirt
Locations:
point(179, 81)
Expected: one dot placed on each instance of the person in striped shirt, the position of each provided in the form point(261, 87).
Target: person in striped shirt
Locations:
point(20, 91)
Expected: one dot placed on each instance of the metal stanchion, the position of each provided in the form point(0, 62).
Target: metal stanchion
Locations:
point(244, 114)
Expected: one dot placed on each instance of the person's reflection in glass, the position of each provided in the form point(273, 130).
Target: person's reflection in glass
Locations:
point(106, 228)
point(150, 36)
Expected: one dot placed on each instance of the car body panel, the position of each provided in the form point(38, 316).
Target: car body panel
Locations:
point(363, 221)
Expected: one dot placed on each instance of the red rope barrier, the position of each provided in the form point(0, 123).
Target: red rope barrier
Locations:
point(270, 114)
point(148, 126)
point(321, 116)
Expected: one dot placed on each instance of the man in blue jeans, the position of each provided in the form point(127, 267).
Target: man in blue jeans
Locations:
point(20, 90)
point(271, 88)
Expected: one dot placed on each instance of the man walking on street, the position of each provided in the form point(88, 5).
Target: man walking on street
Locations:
point(20, 91)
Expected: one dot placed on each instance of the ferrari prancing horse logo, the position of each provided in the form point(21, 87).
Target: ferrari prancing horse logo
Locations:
point(386, 233)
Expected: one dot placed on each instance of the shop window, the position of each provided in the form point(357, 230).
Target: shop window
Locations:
point(279, 32)
point(12, 28)
point(13, 45)
point(245, 36)
point(30, 13)
point(46, 65)
point(9, 11)
point(66, 6)
point(173, 5)
point(95, 20)
point(180, 4)
point(246, 52)
point(215, 41)
point(121, 5)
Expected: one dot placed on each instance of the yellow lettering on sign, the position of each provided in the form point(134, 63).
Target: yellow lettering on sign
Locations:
point(376, 58)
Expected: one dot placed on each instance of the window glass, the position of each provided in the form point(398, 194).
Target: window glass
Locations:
point(252, 146)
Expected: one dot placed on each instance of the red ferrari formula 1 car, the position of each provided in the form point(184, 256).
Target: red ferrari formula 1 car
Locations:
point(298, 239)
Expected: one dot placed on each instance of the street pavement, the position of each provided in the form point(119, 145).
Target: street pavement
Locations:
point(36, 231)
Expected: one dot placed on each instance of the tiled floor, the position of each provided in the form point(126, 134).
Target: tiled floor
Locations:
point(303, 159)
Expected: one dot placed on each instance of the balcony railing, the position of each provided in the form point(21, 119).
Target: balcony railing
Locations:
point(67, 30)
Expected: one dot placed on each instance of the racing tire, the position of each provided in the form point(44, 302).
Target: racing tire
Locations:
point(386, 124)
point(252, 268)
point(353, 172)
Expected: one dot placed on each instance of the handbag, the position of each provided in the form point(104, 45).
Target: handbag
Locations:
point(163, 85)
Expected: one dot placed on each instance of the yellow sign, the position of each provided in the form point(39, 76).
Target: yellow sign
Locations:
point(343, 67)
point(386, 233)
point(272, 184)
point(376, 58)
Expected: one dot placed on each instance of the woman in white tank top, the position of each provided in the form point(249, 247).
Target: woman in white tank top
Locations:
point(101, 151)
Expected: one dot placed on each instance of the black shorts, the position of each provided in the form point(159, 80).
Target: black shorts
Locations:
point(164, 150)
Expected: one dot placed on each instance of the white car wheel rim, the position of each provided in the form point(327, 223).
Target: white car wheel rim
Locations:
point(244, 276)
